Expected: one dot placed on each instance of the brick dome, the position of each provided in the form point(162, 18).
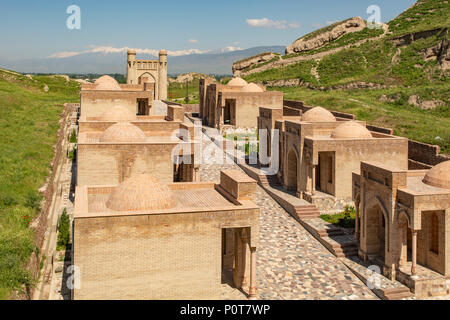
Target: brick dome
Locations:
point(141, 192)
point(318, 114)
point(122, 132)
point(118, 113)
point(237, 82)
point(252, 87)
point(439, 176)
point(351, 130)
point(107, 83)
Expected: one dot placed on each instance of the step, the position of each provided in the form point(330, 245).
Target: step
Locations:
point(329, 233)
point(397, 294)
point(389, 290)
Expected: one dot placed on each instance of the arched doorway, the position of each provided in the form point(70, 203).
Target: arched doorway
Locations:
point(148, 78)
point(376, 226)
point(292, 171)
point(404, 240)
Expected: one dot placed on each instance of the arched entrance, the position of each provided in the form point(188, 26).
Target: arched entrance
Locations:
point(148, 78)
point(376, 226)
point(405, 240)
point(292, 171)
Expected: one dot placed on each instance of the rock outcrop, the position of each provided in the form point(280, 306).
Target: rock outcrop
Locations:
point(182, 78)
point(415, 100)
point(246, 63)
point(307, 43)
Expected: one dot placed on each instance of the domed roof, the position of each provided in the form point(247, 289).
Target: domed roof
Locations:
point(351, 130)
point(141, 192)
point(131, 51)
point(252, 87)
point(118, 113)
point(439, 176)
point(237, 82)
point(122, 132)
point(107, 83)
point(162, 52)
point(318, 114)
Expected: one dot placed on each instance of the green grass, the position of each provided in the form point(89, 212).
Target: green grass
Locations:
point(425, 15)
point(351, 64)
point(345, 219)
point(28, 130)
point(407, 121)
point(177, 92)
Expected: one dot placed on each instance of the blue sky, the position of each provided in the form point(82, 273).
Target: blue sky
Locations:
point(37, 29)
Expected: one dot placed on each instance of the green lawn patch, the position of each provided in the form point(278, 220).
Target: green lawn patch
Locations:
point(29, 119)
point(345, 219)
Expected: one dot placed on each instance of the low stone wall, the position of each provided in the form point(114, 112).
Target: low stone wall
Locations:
point(191, 108)
point(426, 153)
point(170, 103)
point(380, 129)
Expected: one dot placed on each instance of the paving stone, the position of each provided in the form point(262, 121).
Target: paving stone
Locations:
point(291, 263)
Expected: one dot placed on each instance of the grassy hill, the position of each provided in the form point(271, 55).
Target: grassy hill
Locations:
point(28, 130)
point(177, 92)
point(372, 56)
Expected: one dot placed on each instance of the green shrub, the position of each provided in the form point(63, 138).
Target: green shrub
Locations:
point(71, 154)
point(345, 219)
point(73, 137)
point(33, 200)
point(64, 226)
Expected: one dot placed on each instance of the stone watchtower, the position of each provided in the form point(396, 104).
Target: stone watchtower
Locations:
point(153, 72)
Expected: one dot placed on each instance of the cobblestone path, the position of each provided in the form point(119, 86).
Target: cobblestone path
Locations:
point(291, 263)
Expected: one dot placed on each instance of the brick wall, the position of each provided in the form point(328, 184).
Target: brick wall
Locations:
point(426, 153)
point(148, 257)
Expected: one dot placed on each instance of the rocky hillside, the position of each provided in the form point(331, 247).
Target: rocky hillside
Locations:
point(318, 39)
point(402, 66)
point(411, 50)
point(182, 78)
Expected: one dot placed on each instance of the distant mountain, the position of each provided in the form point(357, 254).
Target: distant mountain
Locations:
point(210, 63)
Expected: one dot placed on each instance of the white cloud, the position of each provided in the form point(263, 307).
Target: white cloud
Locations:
point(65, 54)
point(193, 40)
point(108, 50)
point(271, 24)
point(231, 49)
